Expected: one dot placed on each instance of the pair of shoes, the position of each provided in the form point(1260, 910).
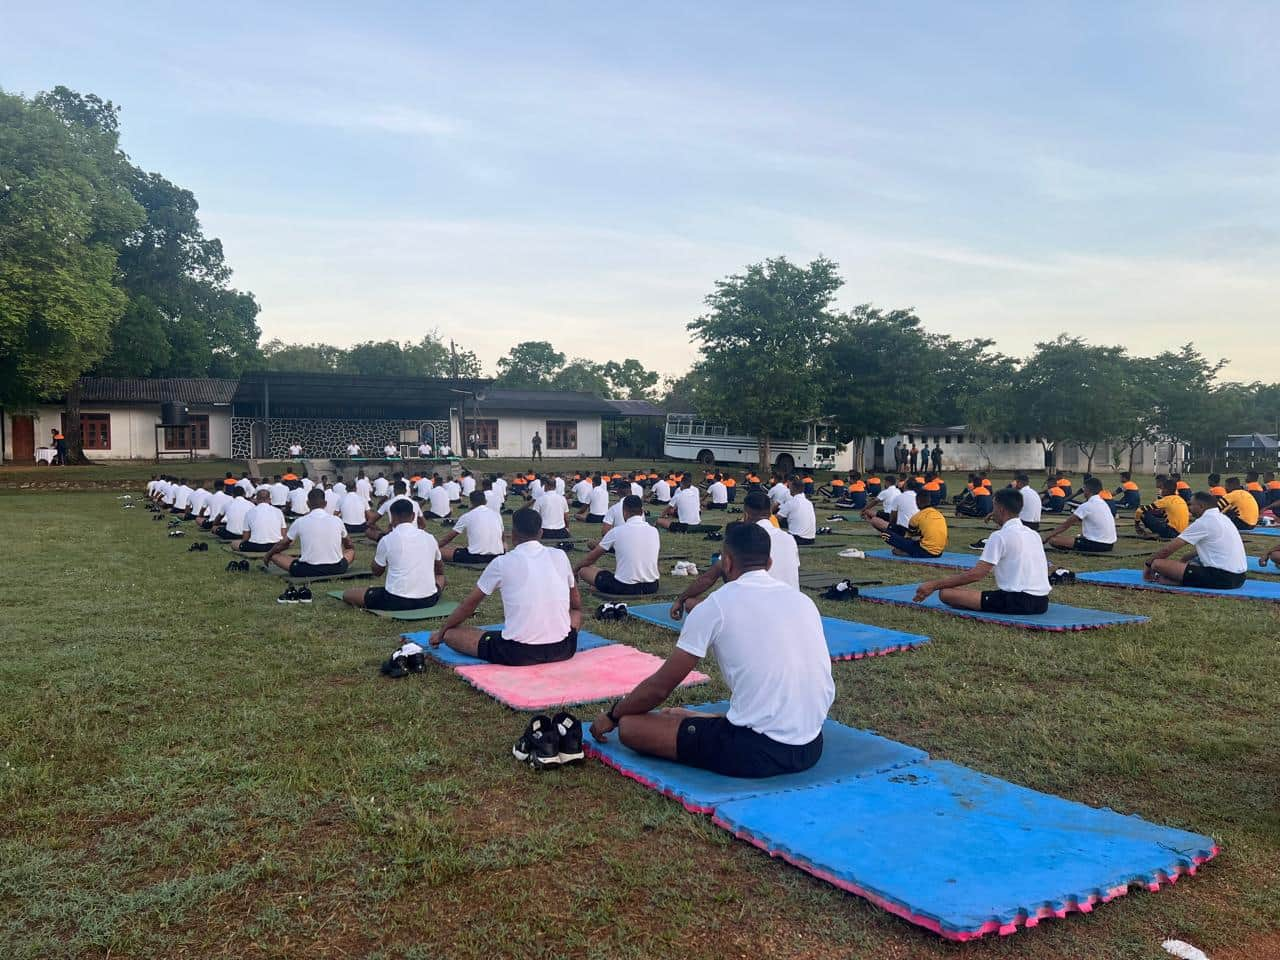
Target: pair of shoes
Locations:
point(550, 742)
point(822, 531)
point(979, 544)
point(198, 547)
point(406, 659)
point(447, 522)
point(843, 590)
point(293, 594)
point(177, 533)
point(611, 611)
point(1060, 576)
point(714, 535)
point(567, 546)
point(684, 568)
point(238, 566)
point(157, 518)
point(852, 553)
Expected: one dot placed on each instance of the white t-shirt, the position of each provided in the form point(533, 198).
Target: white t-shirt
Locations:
point(662, 491)
point(688, 505)
point(800, 517)
point(424, 449)
point(907, 507)
point(613, 516)
point(265, 523)
point(353, 450)
point(279, 494)
point(501, 486)
point(182, 497)
point(779, 493)
point(719, 492)
point(319, 535)
point(380, 486)
point(454, 490)
point(340, 489)
point(331, 501)
point(200, 498)
point(351, 509)
point(245, 484)
point(298, 501)
point(535, 489)
point(444, 450)
point(1097, 522)
point(422, 488)
point(483, 528)
point(364, 488)
point(390, 450)
point(410, 556)
point(889, 498)
point(784, 555)
point(1217, 542)
point(637, 490)
point(307, 484)
point(467, 484)
point(493, 501)
point(295, 450)
point(218, 501)
point(598, 502)
point(386, 506)
point(170, 492)
point(636, 545)
point(235, 513)
point(560, 485)
point(1017, 553)
point(1031, 506)
point(535, 582)
point(769, 642)
point(582, 492)
point(552, 508)
point(438, 501)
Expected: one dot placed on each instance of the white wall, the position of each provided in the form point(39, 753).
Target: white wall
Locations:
point(133, 433)
point(515, 434)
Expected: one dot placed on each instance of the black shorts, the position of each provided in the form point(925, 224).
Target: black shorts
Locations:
point(717, 506)
point(1085, 545)
point(224, 534)
point(713, 743)
point(378, 598)
point(300, 569)
point(561, 534)
point(1211, 578)
point(495, 648)
point(606, 582)
point(595, 518)
point(1031, 524)
point(1019, 604)
point(248, 546)
point(678, 527)
point(463, 555)
point(803, 541)
point(355, 527)
point(1240, 524)
point(432, 515)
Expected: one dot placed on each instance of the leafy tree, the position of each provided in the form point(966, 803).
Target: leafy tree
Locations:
point(300, 357)
point(1183, 406)
point(529, 365)
point(630, 380)
point(960, 370)
point(582, 375)
point(63, 215)
point(759, 340)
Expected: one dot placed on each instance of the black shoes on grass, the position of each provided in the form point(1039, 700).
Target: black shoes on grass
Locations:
point(292, 594)
point(843, 590)
point(237, 566)
point(198, 547)
point(612, 611)
point(548, 742)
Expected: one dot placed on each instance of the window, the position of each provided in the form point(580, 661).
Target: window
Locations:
point(95, 431)
point(947, 438)
point(194, 436)
point(486, 430)
point(562, 434)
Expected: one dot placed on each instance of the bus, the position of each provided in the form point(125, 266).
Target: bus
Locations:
point(690, 437)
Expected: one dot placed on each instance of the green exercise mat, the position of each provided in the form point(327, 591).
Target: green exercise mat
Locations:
point(441, 609)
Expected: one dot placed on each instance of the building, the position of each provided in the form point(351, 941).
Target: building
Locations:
point(1252, 451)
point(120, 420)
point(260, 415)
point(963, 449)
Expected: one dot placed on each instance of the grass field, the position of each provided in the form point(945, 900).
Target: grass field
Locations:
point(188, 769)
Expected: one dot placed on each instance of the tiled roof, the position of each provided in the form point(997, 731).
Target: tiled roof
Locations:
point(144, 390)
point(544, 401)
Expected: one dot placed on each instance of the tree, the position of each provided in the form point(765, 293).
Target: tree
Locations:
point(960, 370)
point(300, 357)
point(63, 216)
point(759, 339)
point(1183, 382)
point(583, 375)
point(630, 380)
point(529, 365)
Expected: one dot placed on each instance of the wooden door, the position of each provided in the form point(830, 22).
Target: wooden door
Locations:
point(24, 439)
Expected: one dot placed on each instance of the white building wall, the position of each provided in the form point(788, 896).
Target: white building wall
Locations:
point(133, 433)
point(515, 434)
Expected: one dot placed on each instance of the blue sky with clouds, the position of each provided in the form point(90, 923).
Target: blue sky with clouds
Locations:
point(583, 173)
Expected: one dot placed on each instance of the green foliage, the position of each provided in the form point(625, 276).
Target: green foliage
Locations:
point(529, 366)
point(582, 375)
point(429, 357)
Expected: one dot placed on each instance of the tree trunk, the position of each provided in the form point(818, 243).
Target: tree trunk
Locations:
point(1132, 449)
point(71, 426)
point(859, 453)
point(766, 461)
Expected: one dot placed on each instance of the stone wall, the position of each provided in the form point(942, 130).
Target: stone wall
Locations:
point(329, 438)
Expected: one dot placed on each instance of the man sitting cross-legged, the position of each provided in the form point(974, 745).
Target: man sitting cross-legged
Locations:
point(769, 642)
point(229, 525)
point(1167, 517)
point(1220, 562)
point(1097, 522)
point(685, 509)
point(411, 560)
point(635, 545)
point(796, 513)
point(926, 534)
point(1015, 555)
point(717, 493)
point(401, 492)
point(1238, 505)
point(784, 555)
point(263, 525)
point(540, 604)
point(553, 508)
point(325, 547)
point(483, 526)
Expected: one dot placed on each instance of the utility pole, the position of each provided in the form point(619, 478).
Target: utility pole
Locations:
point(453, 354)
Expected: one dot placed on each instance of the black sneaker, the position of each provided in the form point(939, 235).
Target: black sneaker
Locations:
point(979, 544)
point(569, 731)
point(844, 590)
point(416, 662)
point(304, 594)
point(195, 547)
point(290, 595)
point(620, 611)
point(394, 668)
point(714, 535)
point(566, 545)
point(539, 745)
point(233, 566)
point(243, 566)
point(203, 546)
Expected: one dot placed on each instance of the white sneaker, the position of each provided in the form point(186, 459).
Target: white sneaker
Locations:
point(853, 553)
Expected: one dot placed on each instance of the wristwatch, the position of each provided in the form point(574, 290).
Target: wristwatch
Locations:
point(609, 713)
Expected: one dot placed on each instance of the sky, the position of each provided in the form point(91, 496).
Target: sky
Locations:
point(585, 173)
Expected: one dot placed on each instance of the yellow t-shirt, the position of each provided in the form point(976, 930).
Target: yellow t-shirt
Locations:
point(931, 527)
point(1176, 513)
point(1246, 508)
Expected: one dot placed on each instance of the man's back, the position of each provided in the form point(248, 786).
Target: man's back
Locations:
point(784, 555)
point(535, 584)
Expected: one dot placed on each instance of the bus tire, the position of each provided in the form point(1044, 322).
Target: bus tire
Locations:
point(785, 463)
point(706, 458)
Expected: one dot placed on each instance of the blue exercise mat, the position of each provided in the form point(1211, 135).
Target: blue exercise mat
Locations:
point(452, 658)
point(962, 853)
point(846, 639)
point(1058, 617)
point(1270, 570)
point(846, 753)
point(1132, 579)
point(961, 561)
point(1263, 531)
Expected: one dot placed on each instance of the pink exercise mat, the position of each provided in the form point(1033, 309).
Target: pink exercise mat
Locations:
point(588, 677)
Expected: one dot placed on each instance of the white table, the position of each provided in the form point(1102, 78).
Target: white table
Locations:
point(48, 454)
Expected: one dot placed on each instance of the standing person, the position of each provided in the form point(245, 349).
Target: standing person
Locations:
point(295, 450)
point(897, 456)
point(915, 458)
point(59, 447)
point(1220, 562)
point(537, 446)
point(936, 457)
point(424, 450)
point(353, 449)
point(411, 560)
